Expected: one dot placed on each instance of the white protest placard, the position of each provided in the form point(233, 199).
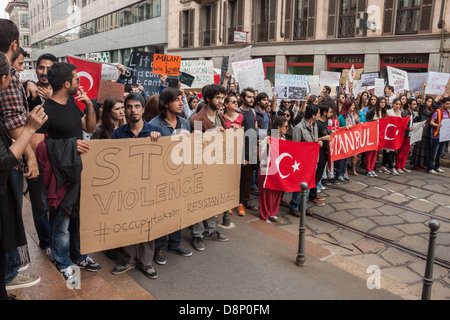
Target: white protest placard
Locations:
point(239, 55)
point(202, 70)
point(28, 75)
point(267, 89)
point(444, 131)
point(314, 87)
point(291, 86)
point(249, 74)
point(330, 79)
point(98, 56)
point(436, 83)
point(417, 133)
point(398, 79)
point(379, 87)
point(109, 72)
point(357, 87)
point(416, 80)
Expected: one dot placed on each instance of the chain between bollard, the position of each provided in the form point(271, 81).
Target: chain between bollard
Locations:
point(301, 259)
point(428, 277)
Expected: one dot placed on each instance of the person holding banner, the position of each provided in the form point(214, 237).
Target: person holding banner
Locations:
point(269, 200)
point(421, 151)
point(374, 114)
point(437, 148)
point(388, 166)
point(347, 118)
point(402, 154)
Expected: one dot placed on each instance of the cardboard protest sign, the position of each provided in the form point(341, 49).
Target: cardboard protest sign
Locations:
point(416, 80)
point(437, 83)
point(110, 89)
point(330, 79)
point(290, 86)
point(345, 75)
point(249, 74)
point(239, 55)
point(139, 71)
point(368, 79)
point(166, 64)
point(360, 138)
point(444, 131)
point(135, 190)
point(398, 79)
point(202, 70)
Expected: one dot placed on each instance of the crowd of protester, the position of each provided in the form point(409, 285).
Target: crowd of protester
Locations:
point(40, 118)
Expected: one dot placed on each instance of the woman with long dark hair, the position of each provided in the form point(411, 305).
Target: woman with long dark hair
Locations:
point(387, 166)
point(374, 114)
point(421, 152)
point(347, 119)
point(113, 116)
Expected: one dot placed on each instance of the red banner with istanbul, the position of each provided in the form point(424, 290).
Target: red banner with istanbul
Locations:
point(392, 132)
point(291, 164)
point(358, 139)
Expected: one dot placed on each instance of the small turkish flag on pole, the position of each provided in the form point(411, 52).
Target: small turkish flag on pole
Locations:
point(90, 73)
point(352, 73)
point(291, 164)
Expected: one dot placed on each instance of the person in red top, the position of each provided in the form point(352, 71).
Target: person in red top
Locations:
point(233, 119)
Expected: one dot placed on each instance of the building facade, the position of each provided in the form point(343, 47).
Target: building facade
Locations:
point(98, 26)
point(18, 12)
point(308, 36)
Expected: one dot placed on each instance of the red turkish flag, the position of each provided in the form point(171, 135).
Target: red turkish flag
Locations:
point(392, 132)
point(291, 164)
point(90, 74)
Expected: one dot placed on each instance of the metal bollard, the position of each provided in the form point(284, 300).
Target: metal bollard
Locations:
point(226, 220)
point(301, 259)
point(428, 277)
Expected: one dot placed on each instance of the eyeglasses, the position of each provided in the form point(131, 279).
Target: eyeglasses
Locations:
point(287, 102)
point(284, 127)
point(12, 72)
point(287, 115)
point(234, 102)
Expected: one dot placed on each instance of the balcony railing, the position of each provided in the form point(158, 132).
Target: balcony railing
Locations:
point(407, 21)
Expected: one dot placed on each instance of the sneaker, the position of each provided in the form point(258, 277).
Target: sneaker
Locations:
point(284, 203)
point(327, 182)
point(323, 188)
point(417, 168)
point(400, 171)
point(48, 252)
point(251, 207)
point(346, 178)
point(22, 281)
point(268, 221)
point(440, 170)
point(69, 276)
point(383, 170)
point(295, 213)
point(159, 257)
point(122, 268)
point(150, 272)
point(432, 171)
point(316, 202)
point(341, 179)
point(320, 198)
point(334, 181)
point(370, 174)
point(216, 236)
point(394, 172)
point(406, 170)
point(198, 244)
point(24, 267)
point(241, 211)
point(374, 174)
point(181, 251)
point(387, 171)
point(89, 265)
point(275, 219)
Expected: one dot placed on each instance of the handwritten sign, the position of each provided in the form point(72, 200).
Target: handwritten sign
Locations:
point(379, 87)
point(444, 131)
point(110, 89)
point(239, 55)
point(314, 87)
point(328, 78)
point(417, 133)
point(123, 204)
point(202, 70)
point(416, 80)
point(140, 72)
point(249, 74)
point(109, 72)
point(290, 86)
point(368, 79)
point(398, 79)
point(166, 64)
point(437, 83)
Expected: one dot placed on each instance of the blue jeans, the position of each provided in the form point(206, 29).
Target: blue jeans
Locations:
point(437, 150)
point(174, 241)
point(65, 238)
point(297, 200)
point(38, 199)
point(341, 166)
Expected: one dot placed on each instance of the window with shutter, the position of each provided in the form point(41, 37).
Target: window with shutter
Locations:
point(191, 25)
point(331, 28)
point(311, 18)
point(287, 20)
point(301, 15)
point(272, 19)
point(413, 16)
point(388, 16)
point(426, 16)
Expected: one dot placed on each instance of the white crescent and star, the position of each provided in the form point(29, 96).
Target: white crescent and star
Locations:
point(385, 133)
point(296, 166)
point(88, 76)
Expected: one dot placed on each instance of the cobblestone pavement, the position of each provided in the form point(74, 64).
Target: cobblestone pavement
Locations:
point(395, 208)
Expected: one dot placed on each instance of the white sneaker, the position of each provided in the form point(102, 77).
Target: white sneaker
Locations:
point(394, 172)
point(432, 171)
point(400, 171)
point(374, 174)
point(22, 281)
point(69, 276)
point(440, 170)
point(407, 170)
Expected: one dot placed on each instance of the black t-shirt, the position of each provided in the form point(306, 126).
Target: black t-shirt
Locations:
point(64, 121)
point(323, 131)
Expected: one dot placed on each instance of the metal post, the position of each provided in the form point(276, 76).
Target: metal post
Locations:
point(301, 259)
point(226, 219)
point(428, 277)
